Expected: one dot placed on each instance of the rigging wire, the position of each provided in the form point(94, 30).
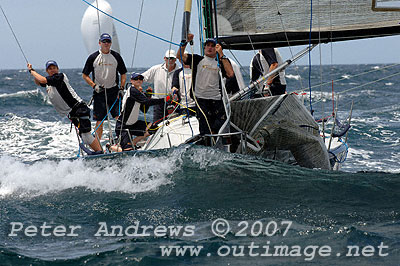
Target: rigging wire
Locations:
point(167, 66)
point(362, 85)
point(347, 77)
point(320, 67)
point(137, 34)
point(309, 57)
point(15, 36)
point(242, 68)
point(288, 42)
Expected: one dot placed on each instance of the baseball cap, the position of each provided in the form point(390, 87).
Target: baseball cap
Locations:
point(105, 36)
point(170, 53)
point(135, 75)
point(212, 40)
point(51, 63)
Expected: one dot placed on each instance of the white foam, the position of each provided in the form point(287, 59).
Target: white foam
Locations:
point(130, 175)
point(290, 76)
point(32, 139)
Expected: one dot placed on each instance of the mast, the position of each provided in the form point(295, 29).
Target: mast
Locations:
point(208, 18)
point(186, 19)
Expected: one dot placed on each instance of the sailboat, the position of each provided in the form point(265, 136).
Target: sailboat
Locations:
point(278, 127)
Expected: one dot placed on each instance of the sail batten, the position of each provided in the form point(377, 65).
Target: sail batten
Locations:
point(280, 23)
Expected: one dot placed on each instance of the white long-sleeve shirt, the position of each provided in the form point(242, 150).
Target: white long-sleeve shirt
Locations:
point(161, 78)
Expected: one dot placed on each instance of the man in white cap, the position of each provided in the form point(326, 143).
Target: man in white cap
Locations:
point(161, 76)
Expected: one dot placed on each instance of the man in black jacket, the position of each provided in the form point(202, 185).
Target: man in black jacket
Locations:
point(66, 102)
point(128, 124)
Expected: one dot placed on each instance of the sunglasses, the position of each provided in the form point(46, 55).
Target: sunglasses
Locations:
point(139, 78)
point(171, 58)
point(106, 41)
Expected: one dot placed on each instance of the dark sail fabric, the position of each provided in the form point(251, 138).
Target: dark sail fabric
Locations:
point(277, 23)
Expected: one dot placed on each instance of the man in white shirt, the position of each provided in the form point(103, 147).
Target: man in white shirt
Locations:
point(207, 84)
point(265, 61)
point(161, 76)
point(104, 64)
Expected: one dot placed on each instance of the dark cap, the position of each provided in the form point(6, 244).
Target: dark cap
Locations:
point(51, 63)
point(211, 40)
point(105, 36)
point(135, 75)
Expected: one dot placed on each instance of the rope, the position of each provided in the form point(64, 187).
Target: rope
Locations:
point(15, 37)
point(185, 106)
point(108, 116)
point(105, 117)
point(130, 26)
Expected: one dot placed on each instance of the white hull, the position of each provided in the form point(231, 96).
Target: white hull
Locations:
point(175, 132)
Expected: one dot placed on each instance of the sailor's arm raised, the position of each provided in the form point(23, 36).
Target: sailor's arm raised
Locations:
point(181, 51)
point(39, 79)
point(225, 61)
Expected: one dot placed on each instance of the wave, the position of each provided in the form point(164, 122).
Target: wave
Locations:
point(125, 172)
point(30, 97)
point(128, 175)
point(291, 76)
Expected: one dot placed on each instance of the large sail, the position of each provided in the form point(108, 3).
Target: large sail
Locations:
point(91, 28)
point(253, 24)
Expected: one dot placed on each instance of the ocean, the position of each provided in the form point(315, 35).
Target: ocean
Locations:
point(195, 205)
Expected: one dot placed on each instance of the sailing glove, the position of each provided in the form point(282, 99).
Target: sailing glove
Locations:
point(98, 88)
point(149, 92)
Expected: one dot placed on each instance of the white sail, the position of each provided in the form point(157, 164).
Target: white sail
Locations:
point(91, 28)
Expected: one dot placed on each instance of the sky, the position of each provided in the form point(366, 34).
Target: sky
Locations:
point(50, 29)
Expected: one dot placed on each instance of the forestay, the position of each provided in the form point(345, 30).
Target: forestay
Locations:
point(276, 23)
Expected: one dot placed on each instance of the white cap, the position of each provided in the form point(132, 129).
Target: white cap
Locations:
point(170, 53)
